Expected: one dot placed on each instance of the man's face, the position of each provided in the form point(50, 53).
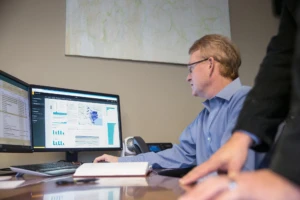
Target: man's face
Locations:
point(199, 74)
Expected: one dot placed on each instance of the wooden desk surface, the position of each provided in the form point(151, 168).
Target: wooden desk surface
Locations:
point(151, 187)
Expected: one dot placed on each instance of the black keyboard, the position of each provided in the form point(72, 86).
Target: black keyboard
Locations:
point(47, 169)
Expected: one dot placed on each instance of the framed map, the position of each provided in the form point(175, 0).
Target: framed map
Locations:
point(143, 30)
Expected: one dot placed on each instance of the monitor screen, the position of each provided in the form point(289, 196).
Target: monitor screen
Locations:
point(73, 120)
point(15, 133)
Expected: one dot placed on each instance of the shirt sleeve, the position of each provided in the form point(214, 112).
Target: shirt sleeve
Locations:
point(253, 159)
point(179, 156)
point(255, 139)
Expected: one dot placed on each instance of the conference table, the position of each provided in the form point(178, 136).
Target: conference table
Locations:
point(111, 188)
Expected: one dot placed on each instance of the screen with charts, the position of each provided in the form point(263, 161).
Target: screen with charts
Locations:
point(64, 119)
point(15, 133)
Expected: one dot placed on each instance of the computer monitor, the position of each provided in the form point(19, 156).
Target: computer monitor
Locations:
point(73, 120)
point(15, 129)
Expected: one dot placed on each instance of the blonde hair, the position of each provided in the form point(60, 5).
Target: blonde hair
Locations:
point(222, 50)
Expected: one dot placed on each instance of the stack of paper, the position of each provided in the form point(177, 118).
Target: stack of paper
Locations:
point(112, 169)
point(10, 184)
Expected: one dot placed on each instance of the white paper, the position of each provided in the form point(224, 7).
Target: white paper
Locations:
point(5, 178)
point(10, 184)
point(113, 169)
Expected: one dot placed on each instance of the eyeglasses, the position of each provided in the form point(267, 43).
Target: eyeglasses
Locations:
point(191, 66)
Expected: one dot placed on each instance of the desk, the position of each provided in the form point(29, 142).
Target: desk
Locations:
point(151, 187)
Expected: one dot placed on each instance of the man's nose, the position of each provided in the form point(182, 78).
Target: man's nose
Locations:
point(188, 77)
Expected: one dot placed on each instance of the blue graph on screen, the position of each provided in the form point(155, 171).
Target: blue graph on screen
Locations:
point(110, 195)
point(111, 131)
point(58, 132)
point(59, 113)
point(95, 117)
point(58, 143)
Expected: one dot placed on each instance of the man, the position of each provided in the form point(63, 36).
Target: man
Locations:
point(213, 74)
point(274, 98)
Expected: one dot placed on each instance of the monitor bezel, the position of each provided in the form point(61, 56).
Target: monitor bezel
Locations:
point(76, 149)
point(7, 148)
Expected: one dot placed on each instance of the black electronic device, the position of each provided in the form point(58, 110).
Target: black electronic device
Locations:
point(65, 120)
point(71, 181)
point(157, 147)
point(15, 129)
point(137, 144)
point(173, 172)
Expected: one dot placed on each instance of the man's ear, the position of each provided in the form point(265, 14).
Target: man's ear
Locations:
point(211, 61)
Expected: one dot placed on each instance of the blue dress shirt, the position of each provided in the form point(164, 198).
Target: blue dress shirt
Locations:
point(205, 135)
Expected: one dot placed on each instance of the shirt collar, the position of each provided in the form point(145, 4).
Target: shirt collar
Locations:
point(226, 93)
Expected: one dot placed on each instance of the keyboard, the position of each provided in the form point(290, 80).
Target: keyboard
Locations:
point(46, 169)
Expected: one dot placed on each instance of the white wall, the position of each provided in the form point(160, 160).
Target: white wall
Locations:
point(156, 102)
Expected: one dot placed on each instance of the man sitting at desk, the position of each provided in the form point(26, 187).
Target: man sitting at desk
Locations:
point(213, 75)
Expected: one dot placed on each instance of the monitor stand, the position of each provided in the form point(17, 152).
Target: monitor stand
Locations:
point(72, 156)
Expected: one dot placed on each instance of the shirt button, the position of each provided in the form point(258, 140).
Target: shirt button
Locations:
point(209, 139)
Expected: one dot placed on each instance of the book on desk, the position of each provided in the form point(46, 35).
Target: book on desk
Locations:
point(118, 169)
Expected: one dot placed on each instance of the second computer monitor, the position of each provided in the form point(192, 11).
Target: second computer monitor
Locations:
point(15, 133)
point(73, 120)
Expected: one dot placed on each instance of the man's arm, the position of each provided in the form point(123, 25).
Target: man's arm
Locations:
point(253, 158)
point(180, 156)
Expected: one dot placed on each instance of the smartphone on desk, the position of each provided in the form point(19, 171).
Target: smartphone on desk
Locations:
point(72, 181)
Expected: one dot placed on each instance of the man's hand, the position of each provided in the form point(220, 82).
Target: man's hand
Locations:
point(230, 158)
point(258, 185)
point(106, 158)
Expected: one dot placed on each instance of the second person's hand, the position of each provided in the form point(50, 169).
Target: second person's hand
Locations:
point(230, 158)
point(106, 158)
point(259, 185)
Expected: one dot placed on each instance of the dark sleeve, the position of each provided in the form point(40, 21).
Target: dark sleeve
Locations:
point(267, 104)
point(286, 160)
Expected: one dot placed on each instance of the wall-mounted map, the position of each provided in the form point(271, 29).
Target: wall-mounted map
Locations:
point(144, 30)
